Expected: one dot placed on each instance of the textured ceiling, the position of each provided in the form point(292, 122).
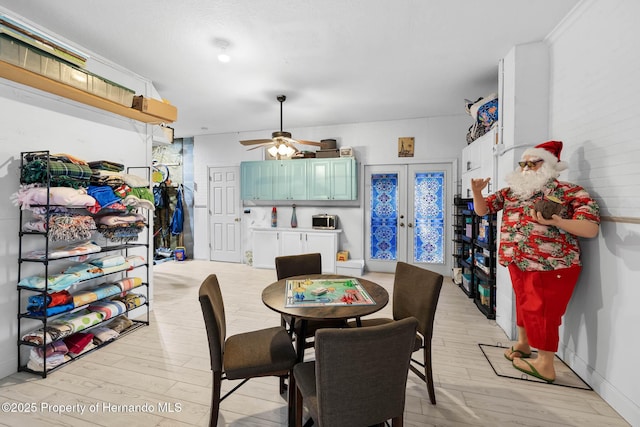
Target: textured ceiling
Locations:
point(338, 61)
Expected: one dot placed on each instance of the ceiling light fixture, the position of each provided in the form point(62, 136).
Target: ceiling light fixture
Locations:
point(281, 150)
point(223, 56)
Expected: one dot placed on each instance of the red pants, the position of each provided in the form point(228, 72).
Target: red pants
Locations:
point(541, 300)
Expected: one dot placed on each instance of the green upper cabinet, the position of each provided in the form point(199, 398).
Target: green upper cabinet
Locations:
point(333, 179)
point(290, 180)
point(300, 179)
point(257, 180)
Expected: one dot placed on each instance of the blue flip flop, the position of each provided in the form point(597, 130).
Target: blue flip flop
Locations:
point(523, 355)
point(533, 372)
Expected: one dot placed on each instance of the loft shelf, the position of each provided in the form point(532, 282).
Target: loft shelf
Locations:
point(29, 78)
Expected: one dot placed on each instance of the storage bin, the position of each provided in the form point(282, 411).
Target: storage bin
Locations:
point(74, 77)
point(352, 267)
point(466, 281)
point(9, 50)
point(484, 293)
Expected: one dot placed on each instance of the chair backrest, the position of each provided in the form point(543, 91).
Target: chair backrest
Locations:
point(415, 294)
point(214, 319)
point(297, 265)
point(361, 373)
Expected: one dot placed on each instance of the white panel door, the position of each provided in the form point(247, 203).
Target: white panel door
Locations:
point(224, 214)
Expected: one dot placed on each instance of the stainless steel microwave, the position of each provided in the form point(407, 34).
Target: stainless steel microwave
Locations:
point(324, 222)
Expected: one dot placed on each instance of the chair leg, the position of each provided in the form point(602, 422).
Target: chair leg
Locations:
point(215, 399)
point(428, 372)
point(291, 401)
point(397, 421)
point(298, 407)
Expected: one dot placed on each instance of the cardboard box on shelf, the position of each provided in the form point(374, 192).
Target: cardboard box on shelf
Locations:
point(157, 108)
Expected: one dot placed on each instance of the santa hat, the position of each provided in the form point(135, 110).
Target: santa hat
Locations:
point(549, 152)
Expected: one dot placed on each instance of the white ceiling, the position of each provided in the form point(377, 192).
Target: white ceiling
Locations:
point(338, 61)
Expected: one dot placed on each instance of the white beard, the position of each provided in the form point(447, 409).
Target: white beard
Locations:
point(525, 183)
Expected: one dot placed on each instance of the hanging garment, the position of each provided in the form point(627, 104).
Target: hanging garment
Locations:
point(177, 220)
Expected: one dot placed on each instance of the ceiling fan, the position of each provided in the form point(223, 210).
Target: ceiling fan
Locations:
point(282, 145)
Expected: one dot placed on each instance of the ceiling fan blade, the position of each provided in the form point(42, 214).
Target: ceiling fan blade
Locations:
point(256, 141)
point(305, 142)
point(257, 146)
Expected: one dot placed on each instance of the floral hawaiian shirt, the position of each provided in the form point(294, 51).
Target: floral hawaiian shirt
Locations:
point(533, 246)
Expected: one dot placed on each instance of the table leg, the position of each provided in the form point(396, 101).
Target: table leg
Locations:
point(301, 339)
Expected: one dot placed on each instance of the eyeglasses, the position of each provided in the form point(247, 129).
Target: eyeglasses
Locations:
point(530, 163)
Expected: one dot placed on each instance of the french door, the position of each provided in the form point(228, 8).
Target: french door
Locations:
point(407, 216)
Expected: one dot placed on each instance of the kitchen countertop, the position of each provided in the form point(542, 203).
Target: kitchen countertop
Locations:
point(304, 230)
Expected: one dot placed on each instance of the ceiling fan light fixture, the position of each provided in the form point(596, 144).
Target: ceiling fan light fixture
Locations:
point(273, 151)
point(223, 56)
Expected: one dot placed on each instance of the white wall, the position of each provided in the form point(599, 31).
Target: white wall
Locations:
point(595, 65)
point(34, 120)
point(376, 143)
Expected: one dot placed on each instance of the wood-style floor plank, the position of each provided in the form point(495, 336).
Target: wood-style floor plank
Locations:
point(165, 366)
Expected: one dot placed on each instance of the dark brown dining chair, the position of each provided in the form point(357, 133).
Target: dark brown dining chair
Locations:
point(415, 294)
point(260, 353)
point(359, 376)
point(298, 265)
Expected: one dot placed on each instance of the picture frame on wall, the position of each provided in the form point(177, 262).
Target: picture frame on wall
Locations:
point(406, 146)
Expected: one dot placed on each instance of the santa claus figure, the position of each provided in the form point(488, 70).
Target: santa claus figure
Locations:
point(542, 219)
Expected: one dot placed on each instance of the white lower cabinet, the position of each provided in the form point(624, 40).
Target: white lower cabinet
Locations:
point(270, 243)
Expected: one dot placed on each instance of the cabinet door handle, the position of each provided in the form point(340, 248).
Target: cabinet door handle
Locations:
point(402, 224)
point(410, 225)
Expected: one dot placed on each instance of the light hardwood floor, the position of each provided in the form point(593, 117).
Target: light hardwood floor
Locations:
point(164, 369)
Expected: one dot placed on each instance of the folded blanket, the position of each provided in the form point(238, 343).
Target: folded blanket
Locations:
point(81, 320)
point(114, 269)
point(40, 302)
point(135, 261)
point(84, 271)
point(29, 195)
point(63, 226)
point(74, 249)
point(61, 172)
point(50, 311)
point(108, 309)
point(108, 261)
point(103, 334)
point(103, 194)
point(106, 165)
point(90, 346)
point(89, 296)
point(58, 347)
point(78, 341)
point(120, 219)
point(122, 234)
point(120, 323)
point(135, 180)
point(133, 300)
point(128, 283)
point(39, 367)
point(54, 331)
point(113, 181)
point(53, 283)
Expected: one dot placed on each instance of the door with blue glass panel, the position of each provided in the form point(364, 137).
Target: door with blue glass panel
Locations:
point(406, 210)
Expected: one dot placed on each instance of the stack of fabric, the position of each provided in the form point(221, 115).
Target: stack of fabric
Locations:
point(75, 344)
